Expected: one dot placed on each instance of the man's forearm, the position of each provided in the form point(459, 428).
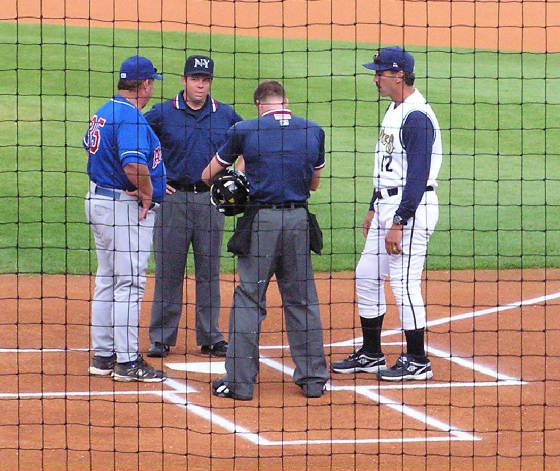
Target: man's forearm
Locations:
point(139, 176)
point(212, 171)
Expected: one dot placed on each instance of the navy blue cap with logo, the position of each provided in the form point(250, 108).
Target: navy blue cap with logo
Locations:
point(138, 68)
point(199, 65)
point(392, 58)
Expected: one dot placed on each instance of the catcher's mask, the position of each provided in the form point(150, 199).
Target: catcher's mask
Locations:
point(230, 193)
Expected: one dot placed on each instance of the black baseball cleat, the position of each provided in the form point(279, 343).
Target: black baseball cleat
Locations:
point(221, 389)
point(102, 366)
point(360, 361)
point(313, 390)
point(407, 368)
point(138, 370)
point(219, 349)
point(158, 350)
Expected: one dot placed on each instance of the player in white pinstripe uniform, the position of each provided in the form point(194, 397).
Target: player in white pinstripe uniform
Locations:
point(402, 216)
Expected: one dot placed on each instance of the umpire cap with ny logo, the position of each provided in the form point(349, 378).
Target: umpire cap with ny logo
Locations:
point(199, 65)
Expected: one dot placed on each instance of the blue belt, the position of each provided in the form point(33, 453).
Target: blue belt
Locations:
point(115, 194)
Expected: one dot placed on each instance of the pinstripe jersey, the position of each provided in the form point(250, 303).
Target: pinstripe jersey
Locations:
point(390, 155)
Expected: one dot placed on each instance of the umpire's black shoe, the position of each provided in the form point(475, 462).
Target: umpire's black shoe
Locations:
point(217, 350)
point(360, 361)
point(313, 390)
point(408, 368)
point(158, 350)
point(221, 389)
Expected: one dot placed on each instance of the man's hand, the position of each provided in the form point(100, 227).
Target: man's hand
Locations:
point(139, 176)
point(366, 224)
point(393, 240)
point(144, 210)
point(144, 203)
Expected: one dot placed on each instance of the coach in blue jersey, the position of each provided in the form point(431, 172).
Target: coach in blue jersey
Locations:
point(191, 127)
point(127, 180)
point(402, 216)
point(284, 156)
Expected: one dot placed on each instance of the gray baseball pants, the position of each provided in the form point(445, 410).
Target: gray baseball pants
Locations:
point(280, 246)
point(186, 218)
point(123, 246)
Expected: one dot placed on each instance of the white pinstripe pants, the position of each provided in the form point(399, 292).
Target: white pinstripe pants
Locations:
point(404, 270)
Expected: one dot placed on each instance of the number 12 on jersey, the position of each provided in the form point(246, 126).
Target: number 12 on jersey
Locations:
point(386, 163)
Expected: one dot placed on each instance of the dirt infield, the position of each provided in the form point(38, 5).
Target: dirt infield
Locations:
point(490, 24)
point(493, 336)
point(496, 369)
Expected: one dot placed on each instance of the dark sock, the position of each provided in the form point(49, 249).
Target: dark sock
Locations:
point(415, 344)
point(371, 330)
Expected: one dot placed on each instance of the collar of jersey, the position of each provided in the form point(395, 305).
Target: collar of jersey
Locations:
point(179, 103)
point(276, 111)
point(414, 97)
point(123, 101)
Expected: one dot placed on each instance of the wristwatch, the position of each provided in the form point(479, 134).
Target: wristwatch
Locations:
point(399, 220)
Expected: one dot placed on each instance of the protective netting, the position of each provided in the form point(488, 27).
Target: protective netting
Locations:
point(489, 69)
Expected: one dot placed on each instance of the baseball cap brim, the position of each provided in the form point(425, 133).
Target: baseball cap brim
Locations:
point(374, 66)
point(157, 77)
point(198, 72)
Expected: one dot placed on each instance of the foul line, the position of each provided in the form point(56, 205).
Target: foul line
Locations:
point(180, 389)
point(43, 350)
point(369, 392)
point(402, 408)
point(458, 317)
point(69, 394)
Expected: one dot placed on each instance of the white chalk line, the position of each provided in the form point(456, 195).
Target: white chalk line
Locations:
point(70, 394)
point(180, 389)
point(458, 317)
point(501, 379)
point(366, 391)
point(43, 350)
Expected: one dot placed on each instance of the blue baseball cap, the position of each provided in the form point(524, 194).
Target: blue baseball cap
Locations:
point(392, 58)
point(138, 68)
point(199, 65)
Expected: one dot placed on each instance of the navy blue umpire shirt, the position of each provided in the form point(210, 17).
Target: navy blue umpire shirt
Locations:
point(281, 152)
point(190, 138)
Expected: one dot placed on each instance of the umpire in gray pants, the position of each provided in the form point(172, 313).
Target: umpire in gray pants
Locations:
point(191, 127)
point(284, 156)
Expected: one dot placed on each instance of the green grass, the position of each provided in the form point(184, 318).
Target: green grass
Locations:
point(499, 114)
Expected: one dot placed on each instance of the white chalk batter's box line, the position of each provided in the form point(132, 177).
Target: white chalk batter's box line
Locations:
point(179, 389)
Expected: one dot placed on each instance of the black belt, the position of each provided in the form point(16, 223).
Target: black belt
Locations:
point(286, 205)
point(198, 187)
point(395, 191)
